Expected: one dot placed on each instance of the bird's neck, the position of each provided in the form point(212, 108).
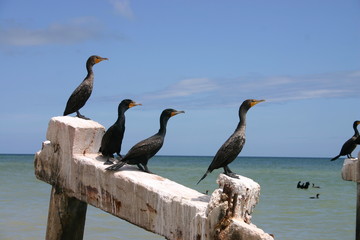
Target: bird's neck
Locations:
point(121, 118)
point(90, 73)
point(356, 131)
point(163, 123)
point(242, 121)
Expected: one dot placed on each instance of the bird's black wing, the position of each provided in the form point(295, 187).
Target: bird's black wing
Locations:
point(227, 152)
point(348, 147)
point(111, 141)
point(78, 98)
point(144, 150)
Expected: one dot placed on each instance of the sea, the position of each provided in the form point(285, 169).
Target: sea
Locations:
point(283, 210)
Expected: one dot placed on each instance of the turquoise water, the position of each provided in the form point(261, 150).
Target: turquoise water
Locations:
point(284, 210)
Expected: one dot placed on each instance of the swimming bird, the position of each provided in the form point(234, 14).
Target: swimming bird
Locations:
point(316, 197)
point(299, 184)
point(141, 152)
point(234, 144)
point(112, 139)
point(82, 93)
point(305, 185)
point(350, 145)
point(313, 185)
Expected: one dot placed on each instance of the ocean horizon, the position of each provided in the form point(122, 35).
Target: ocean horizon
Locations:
point(283, 210)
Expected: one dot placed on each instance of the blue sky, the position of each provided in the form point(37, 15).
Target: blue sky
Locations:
point(203, 57)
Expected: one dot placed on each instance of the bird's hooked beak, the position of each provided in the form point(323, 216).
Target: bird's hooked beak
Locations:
point(176, 112)
point(99, 59)
point(133, 104)
point(254, 102)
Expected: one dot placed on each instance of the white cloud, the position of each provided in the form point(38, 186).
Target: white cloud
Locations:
point(123, 8)
point(75, 31)
point(185, 88)
point(212, 92)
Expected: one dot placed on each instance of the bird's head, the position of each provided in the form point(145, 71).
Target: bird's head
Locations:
point(249, 103)
point(128, 103)
point(95, 59)
point(170, 112)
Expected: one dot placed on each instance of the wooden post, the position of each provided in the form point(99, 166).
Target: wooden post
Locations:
point(66, 219)
point(351, 172)
point(358, 213)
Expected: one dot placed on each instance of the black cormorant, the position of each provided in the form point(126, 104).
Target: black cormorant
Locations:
point(82, 93)
point(316, 197)
point(112, 139)
point(350, 145)
point(305, 185)
point(144, 150)
point(233, 146)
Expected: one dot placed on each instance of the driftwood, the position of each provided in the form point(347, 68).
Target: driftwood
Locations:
point(70, 162)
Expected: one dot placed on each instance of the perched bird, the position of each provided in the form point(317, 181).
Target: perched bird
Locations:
point(144, 150)
point(233, 146)
point(82, 93)
point(350, 145)
point(316, 197)
point(112, 139)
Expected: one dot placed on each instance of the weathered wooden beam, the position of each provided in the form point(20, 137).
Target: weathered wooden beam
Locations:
point(69, 161)
point(351, 172)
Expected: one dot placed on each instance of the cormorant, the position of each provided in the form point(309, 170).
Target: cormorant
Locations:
point(82, 93)
point(233, 146)
point(140, 153)
point(112, 139)
point(350, 145)
point(305, 185)
point(313, 185)
point(317, 196)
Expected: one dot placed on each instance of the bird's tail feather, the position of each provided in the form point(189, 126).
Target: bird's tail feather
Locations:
point(203, 177)
point(116, 166)
point(335, 157)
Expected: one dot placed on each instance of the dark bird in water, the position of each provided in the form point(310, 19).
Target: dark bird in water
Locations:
point(233, 146)
point(350, 145)
point(144, 150)
point(316, 197)
point(305, 185)
point(313, 185)
point(112, 139)
point(82, 93)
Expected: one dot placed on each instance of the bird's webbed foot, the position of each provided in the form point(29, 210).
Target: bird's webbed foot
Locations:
point(108, 162)
point(81, 116)
point(233, 175)
point(144, 169)
point(230, 173)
